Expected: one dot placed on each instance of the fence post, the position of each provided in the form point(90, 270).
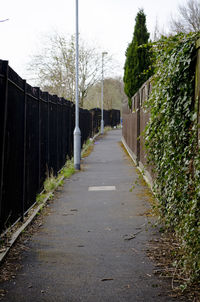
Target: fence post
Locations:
point(5, 97)
point(62, 127)
point(197, 86)
point(138, 128)
point(39, 136)
point(57, 128)
point(48, 132)
point(92, 123)
point(24, 155)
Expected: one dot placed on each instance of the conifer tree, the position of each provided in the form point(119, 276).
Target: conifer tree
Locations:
point(138, 58)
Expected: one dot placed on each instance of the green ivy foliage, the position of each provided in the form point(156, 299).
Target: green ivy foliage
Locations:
point(172, 144)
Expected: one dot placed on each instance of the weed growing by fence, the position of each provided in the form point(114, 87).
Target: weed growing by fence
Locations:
point(52, 182)
point(171, 141)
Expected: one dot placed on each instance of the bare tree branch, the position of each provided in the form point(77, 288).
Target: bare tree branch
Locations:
point(55, 67)
point(188, 19)
point(113, 94)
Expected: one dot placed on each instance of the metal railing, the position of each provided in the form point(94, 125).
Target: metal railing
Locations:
point(36, 137)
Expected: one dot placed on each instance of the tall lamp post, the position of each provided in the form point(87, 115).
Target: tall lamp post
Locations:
point(102, 121)
point(77, 132)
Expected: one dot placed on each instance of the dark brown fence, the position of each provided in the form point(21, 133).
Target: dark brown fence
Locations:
point(36, 137)
point(134, 123)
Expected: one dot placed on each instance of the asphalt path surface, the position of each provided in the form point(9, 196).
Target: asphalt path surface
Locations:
point(92, 247)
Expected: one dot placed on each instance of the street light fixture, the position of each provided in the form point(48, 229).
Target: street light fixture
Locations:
point(77, 132)
point(102, 121)
point(4, 20)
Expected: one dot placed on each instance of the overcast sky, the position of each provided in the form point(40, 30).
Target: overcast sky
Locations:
point(110, 23)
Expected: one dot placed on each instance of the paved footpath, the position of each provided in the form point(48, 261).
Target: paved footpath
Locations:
point(91, 248)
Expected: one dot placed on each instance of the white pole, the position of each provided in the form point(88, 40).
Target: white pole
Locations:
point(77, 132)
point(102, 120)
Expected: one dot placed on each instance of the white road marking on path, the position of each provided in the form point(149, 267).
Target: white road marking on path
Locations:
point(102, 188)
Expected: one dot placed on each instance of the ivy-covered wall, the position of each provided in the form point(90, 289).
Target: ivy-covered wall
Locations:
point(171, 140)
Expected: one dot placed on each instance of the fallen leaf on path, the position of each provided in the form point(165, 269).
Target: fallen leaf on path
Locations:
point(107, 229)
point(129, 237)
point(136, 251)
point(74, 210)
point(127, 286)
point(132, 236)
point(107, 279)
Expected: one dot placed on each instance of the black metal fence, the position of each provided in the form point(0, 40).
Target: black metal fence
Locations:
point(36, 137)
